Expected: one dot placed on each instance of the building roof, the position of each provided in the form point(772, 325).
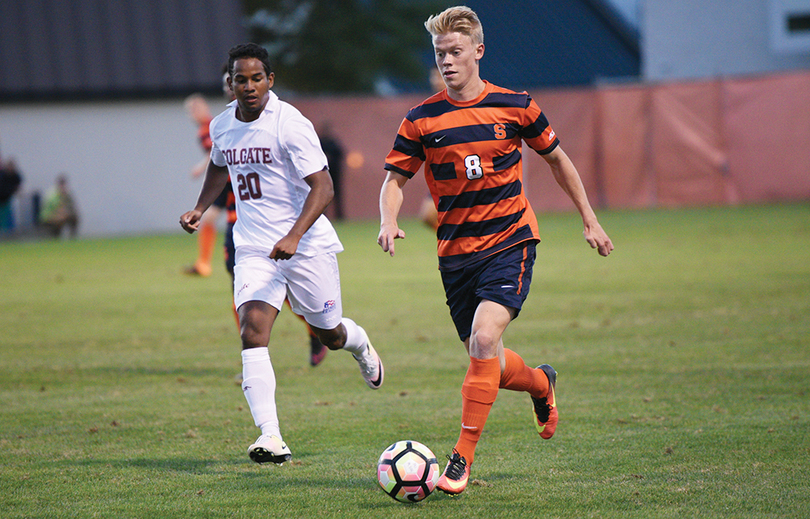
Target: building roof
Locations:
point(109, 48)
point(98, 48)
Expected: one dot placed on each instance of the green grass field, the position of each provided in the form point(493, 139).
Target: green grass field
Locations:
point(683, 360)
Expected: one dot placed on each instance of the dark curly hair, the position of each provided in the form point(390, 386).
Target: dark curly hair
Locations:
point(249, 50)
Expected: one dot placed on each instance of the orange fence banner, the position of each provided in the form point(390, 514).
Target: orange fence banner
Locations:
point(716, 142)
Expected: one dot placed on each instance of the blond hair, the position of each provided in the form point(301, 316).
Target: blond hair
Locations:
point(459, 19)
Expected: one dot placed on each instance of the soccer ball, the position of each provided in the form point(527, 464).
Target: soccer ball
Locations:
point(408, 471)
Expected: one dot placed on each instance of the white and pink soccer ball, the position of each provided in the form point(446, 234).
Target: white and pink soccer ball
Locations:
point(408, 471)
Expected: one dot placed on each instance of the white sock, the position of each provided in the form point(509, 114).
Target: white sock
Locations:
point(356, 338)
point(259, 386)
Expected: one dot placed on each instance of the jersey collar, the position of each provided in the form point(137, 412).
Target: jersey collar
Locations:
point(272, 102)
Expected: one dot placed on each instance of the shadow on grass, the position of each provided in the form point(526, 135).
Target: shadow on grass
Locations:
point(62, 375)
point(169, 371)
point(187, 465)
point(291, 476)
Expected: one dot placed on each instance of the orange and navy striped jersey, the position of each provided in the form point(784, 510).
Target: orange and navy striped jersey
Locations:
point(205, 136)
point(230, 203)
point(473, 168)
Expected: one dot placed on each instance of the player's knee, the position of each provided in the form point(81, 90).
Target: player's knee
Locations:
point(335, 346)
point(483, 343)
point(334, 343)
point(252, 338)
point(333, 339)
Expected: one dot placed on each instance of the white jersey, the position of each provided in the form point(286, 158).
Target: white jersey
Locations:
point(267, 160)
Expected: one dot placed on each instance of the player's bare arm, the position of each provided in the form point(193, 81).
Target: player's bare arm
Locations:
point(216, 177)
point(391, 197)
point(322, 190)
point(567, 176)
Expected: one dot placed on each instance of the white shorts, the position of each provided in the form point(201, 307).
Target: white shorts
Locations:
point(311, 283)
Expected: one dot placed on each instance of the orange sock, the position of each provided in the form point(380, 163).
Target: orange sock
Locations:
point(478, 393)
point(205, 246)
point(517, 376)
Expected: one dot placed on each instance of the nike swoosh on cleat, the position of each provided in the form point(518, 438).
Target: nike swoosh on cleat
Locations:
point(454, 484)
point(379, 377)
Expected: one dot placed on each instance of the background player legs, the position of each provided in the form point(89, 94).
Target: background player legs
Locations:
point(317, 351)
point(206, 241)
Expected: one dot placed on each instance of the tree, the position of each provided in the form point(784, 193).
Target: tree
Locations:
point(344, 46)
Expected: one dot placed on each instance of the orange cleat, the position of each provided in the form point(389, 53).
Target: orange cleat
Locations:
point(454, 479)
point(545, 409)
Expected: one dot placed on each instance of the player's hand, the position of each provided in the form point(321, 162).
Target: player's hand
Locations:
point(598, 239)
point(284, 249)
point(190, 220)
point(389, 233)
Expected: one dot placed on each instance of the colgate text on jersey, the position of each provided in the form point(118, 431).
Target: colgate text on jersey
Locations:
point(248, 156)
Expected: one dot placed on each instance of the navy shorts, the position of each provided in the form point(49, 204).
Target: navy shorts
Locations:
point(502, 278)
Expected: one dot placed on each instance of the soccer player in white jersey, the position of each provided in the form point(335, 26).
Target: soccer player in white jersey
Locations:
point(285, 246)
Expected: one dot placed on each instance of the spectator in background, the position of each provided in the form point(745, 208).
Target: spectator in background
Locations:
point(10, 180)
point(59, 210)
point(334, 156)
